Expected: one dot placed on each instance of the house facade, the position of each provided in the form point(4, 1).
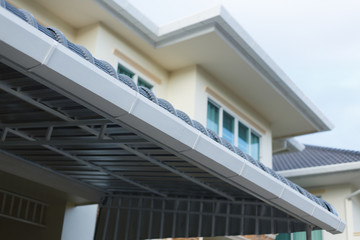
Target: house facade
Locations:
point(331, 174)
point(205, 65)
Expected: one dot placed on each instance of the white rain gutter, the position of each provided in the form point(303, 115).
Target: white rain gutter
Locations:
point(33, 53)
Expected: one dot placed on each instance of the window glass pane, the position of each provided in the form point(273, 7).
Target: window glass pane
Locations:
point(315, 235)
point(283, 236)
point(228, 127)
point(299, 236)
point(212, 117)
point(142, 82)
point(124, 70)
point(243, 138)
point(255, 146)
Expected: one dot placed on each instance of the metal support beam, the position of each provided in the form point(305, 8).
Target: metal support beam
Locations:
point(94, 166)
point(308, 232)
point(67, 141)
point(121, 145)
point(55, 123)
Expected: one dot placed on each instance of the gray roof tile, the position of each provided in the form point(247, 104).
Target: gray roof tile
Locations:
point(314, 156)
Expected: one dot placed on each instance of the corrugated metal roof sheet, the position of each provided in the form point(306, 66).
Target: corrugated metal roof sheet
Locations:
point(314, 156)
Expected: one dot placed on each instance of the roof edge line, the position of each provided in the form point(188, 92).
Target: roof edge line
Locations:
point(319, 170)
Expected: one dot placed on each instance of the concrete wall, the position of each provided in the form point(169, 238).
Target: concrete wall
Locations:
point(181, 90)
point(335, 195)
point(114, 49)
point(12, 229)
point(356, 216)
point(45, 17)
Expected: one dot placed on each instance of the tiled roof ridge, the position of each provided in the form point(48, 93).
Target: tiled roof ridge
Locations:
point(314, 156)
point(335, 149)
point(147, 93)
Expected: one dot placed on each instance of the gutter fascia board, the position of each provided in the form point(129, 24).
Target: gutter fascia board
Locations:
point(218, 18)
point(335, 168)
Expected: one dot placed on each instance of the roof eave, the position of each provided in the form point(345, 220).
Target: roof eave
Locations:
point(219, 20)
point(320, 170)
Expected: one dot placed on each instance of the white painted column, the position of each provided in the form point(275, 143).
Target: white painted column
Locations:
point(79, 222)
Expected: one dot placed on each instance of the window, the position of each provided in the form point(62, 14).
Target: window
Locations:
point(213, 117)
point(255, 146)
point(228, 127)
point(142, 82)
point(139, 80)
point(315, 235)
point(243, 138)
point(232, 129)
point(125, 71)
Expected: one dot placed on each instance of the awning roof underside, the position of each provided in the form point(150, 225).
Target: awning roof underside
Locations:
point(62, 109)
point(44, 127)
point(41, 125)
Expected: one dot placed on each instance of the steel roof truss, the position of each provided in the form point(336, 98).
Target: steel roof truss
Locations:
point(87, 163)
point(132, 150)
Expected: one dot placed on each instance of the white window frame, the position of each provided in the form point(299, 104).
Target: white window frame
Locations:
point(237, 119)
point(137, 74)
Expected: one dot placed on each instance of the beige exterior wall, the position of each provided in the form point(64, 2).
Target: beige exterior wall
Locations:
point(349, 210)
point(356, 216)
point(45, 17)
point(113, 49)
point(88, 37)
point(181, 91)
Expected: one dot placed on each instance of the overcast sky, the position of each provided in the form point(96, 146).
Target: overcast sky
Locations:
point(316, 43)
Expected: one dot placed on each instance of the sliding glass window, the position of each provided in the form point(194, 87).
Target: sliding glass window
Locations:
point(142, 82)
point(125, 71)
point(243, 137)
point(228, 127)
point(212, 117)
point(135, 76)
point(255, 146)
point(232, 129)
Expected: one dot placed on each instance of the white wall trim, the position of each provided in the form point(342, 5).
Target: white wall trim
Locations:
point(335, 168)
